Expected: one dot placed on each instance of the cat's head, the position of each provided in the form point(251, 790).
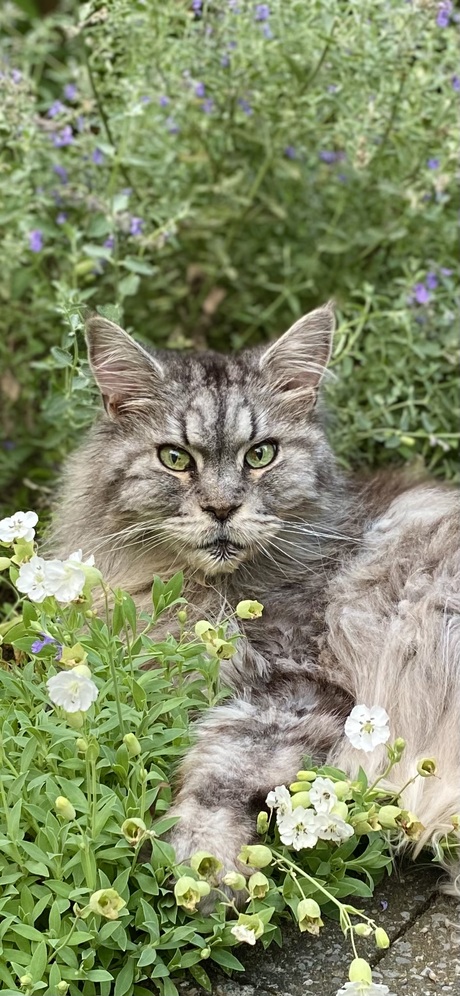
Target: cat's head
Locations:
point(213, 455)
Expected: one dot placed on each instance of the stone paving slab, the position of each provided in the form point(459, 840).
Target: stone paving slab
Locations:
point(423, 959)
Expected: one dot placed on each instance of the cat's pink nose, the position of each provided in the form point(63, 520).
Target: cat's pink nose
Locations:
point(221, 512)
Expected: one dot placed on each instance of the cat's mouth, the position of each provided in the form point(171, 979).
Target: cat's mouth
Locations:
point(222, 554)
point(222, 548)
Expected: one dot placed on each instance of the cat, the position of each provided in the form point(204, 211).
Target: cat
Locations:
point(220, 466)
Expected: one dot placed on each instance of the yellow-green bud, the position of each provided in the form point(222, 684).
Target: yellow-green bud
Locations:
point(75, 720)
point(300, 786)
point(399, 747)
point(342, 790)
point(205, 864)
point(235, 881)
point(72, 656)
point(262, 822)
point(306, 776)
point(258, 885)
point(363, 929)
point(309, 916)
point(107, 903)
point(82, 669)
point(205, 631)
point(301, 798)
point(132, 744)
point(64, 808)
point(133, 829)
point(4, 563)
point(92, 750)
point(25, 980)
point(221, 649)
point(340, 809)
point(455, 821)
point(182, 617)
point(255, 855)
point(249, 609)
point(426, 767)
point(188, 892)
point(387, 817)
point(62, 988)
point(204, 953)
point(381, 938)
point(360, 971)
point(81, 745)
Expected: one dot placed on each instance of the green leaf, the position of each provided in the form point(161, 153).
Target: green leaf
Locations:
point(201, 977)
point(129, 285)
point(124, 979)
point(38, 962)
point(138, 266)
point(226, 959)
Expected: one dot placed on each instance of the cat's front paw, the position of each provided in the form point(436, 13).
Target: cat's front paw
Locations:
point(217, 834)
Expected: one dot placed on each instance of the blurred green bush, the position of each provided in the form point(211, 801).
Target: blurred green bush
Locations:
point(208, 171)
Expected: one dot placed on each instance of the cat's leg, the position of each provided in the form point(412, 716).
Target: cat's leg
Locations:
point(244, 749)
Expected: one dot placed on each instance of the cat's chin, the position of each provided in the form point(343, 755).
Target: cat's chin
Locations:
point(212, 561)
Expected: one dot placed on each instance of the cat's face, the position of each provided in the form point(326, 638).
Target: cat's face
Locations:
point(208, 454)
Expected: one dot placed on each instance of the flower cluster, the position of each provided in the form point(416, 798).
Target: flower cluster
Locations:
point(312, 813)
point(64, 579)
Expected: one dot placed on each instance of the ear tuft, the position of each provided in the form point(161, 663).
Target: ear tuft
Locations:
point(298, 360)
point(124, 371)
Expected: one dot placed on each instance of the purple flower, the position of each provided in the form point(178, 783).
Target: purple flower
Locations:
point(329, 156)
point(444, 13)
point(97, 157)
point(39, 644)
point(146, 99)
point(135, 225)
point(163, 101)
point(61, 218)
point(81, 122)
point(70, 91)
point(200, 90)
point(420, 294)
point(432, 163)
point(61, 173)
point(267, 32)
point(197, 5)
point(55, 109)
point(456, 82)
point(245, 106)
point(225, 61)
point(109, 242)
point(290, 152)
point(332, 88)
point(208, 105)
point(36, 240)
point(63, 137)
point(445, 271)
point(262, 12)
point(431, 281)
point(172, 126)
point(16, 75)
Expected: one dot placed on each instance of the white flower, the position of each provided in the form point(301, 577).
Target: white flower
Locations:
point(64, 580)
point(322, 795)
point(364, 989)
point(280, 799)
point(366, 728)
point(72, 691)
point(18, 526)
point(32, 580)
point(77, 557)
point(335, 829)
point(300, 828)
point(243, 933)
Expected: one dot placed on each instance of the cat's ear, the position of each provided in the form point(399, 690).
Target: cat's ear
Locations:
point(297, 361)
point(127, 375)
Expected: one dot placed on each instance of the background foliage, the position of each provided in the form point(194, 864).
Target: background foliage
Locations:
point(214, 169)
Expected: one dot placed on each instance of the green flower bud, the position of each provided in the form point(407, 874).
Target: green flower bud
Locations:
point(64, 808)
point(204, 953)
point(205, 631)
point(235, 881)
point(71, 656)
point(249, 610)
point(342, 790)
point(62, 988)
point(25, 980)
point(360, 971)
point(107, 903)
point(309, 916)
point(262, 822)
point(92, 750)
point(132, 743)
point(387, 817)
point(188, 892)
point(426, 767)
point(363, 929)
point(301, 786)
point(306, 776)
point(411, 825)
point(182, 617)
point(4, 563)
point(255, 855)
point(82, 669)
point(81, 745)
point(205, 865)
point(399, 746)
point(258, 885)
point(75, 720)
point(133, 829)
point(221, 649)
point(252, 922)
point(341, 809)
point(301, 798)
point(381, 938)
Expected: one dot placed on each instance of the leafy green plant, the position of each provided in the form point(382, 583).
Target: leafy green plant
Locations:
point(94, 716)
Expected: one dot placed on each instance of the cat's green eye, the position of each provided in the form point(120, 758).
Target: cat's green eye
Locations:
point(174, 458)
point(260, 455)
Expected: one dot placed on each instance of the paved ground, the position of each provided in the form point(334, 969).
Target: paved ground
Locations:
point(422, 960)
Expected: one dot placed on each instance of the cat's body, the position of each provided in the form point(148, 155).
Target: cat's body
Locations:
point(360, 580)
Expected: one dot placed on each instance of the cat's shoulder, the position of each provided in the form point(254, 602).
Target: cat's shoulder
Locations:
point(397, 500)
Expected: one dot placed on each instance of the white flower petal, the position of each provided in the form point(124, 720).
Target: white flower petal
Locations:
point(322, 795)
point(366, 728)
point(364, 989)
point(335, 829)
point(18, 526)
point(72, 691)
point(280, 799)
point(243, 933)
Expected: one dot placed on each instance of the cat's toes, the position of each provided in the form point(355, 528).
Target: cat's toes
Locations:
point(224, 845)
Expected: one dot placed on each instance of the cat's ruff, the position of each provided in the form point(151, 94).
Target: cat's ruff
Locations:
point(360, 579)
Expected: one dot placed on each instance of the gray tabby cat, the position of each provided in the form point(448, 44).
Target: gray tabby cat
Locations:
point(220, 466)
